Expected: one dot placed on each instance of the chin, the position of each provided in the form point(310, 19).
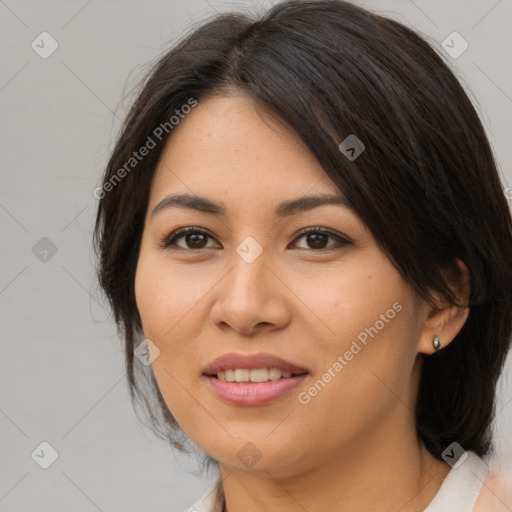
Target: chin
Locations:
point(249, 455)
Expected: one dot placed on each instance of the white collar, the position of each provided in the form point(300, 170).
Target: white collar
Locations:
point(461, 486)
point(207, 502)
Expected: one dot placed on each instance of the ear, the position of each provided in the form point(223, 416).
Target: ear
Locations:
point(446, 320)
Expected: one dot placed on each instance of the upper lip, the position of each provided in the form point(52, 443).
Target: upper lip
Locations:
point(251, 362)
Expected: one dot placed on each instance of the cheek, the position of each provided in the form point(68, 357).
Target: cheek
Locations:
point(370, 320)
point(161, 304)
point(360, 384)
point(343, 302)
point(166, 298)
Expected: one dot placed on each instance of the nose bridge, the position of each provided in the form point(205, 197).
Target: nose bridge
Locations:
point(247, 298)
point(249, 266)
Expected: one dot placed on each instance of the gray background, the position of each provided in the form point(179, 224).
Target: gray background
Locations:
point(62, 374)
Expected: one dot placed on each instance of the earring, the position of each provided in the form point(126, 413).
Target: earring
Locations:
point(436, 343)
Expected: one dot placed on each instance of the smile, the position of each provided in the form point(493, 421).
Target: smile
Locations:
point(252, 379)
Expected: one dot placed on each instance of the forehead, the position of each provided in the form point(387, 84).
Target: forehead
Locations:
point(231, 149)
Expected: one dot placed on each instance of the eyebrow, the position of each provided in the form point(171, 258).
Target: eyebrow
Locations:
point(284, 209)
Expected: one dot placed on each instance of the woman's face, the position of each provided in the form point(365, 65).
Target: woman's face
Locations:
point(253, 281)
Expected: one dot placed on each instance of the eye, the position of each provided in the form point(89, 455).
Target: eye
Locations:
point(197, 239)
point(316, 238)
point(194, 238)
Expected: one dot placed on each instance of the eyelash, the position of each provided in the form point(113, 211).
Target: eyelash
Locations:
point(170, 240)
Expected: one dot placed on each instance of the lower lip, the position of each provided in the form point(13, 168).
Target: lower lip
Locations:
point(254, 393)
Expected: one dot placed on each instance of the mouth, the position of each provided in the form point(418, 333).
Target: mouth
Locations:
point(252, 379)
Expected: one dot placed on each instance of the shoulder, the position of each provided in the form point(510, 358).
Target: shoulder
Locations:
point(496, 493)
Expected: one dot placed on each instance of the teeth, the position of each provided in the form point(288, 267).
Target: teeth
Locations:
point(257, 375)
point(274, 374)
point(242, 375)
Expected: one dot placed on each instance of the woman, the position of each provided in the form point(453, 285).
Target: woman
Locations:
point(303, 223)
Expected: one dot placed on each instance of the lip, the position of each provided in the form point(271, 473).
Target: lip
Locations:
point(232, 361)
point(253, 393)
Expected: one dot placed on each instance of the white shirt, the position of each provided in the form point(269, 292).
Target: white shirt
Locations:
point(458, 492)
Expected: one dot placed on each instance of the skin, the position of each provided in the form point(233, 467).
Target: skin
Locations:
point(355, 440)
point(496, 493)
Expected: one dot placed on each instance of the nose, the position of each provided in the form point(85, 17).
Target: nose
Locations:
point(251, 298)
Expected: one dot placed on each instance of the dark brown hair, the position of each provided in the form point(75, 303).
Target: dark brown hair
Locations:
point(426, 185)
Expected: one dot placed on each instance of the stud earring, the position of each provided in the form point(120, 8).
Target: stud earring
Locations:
point(436, 343)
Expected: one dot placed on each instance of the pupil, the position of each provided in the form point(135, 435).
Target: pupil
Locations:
point(196, 239)
point(316, 238)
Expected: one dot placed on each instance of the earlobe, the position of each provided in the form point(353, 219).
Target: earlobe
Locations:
point(445, 321)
